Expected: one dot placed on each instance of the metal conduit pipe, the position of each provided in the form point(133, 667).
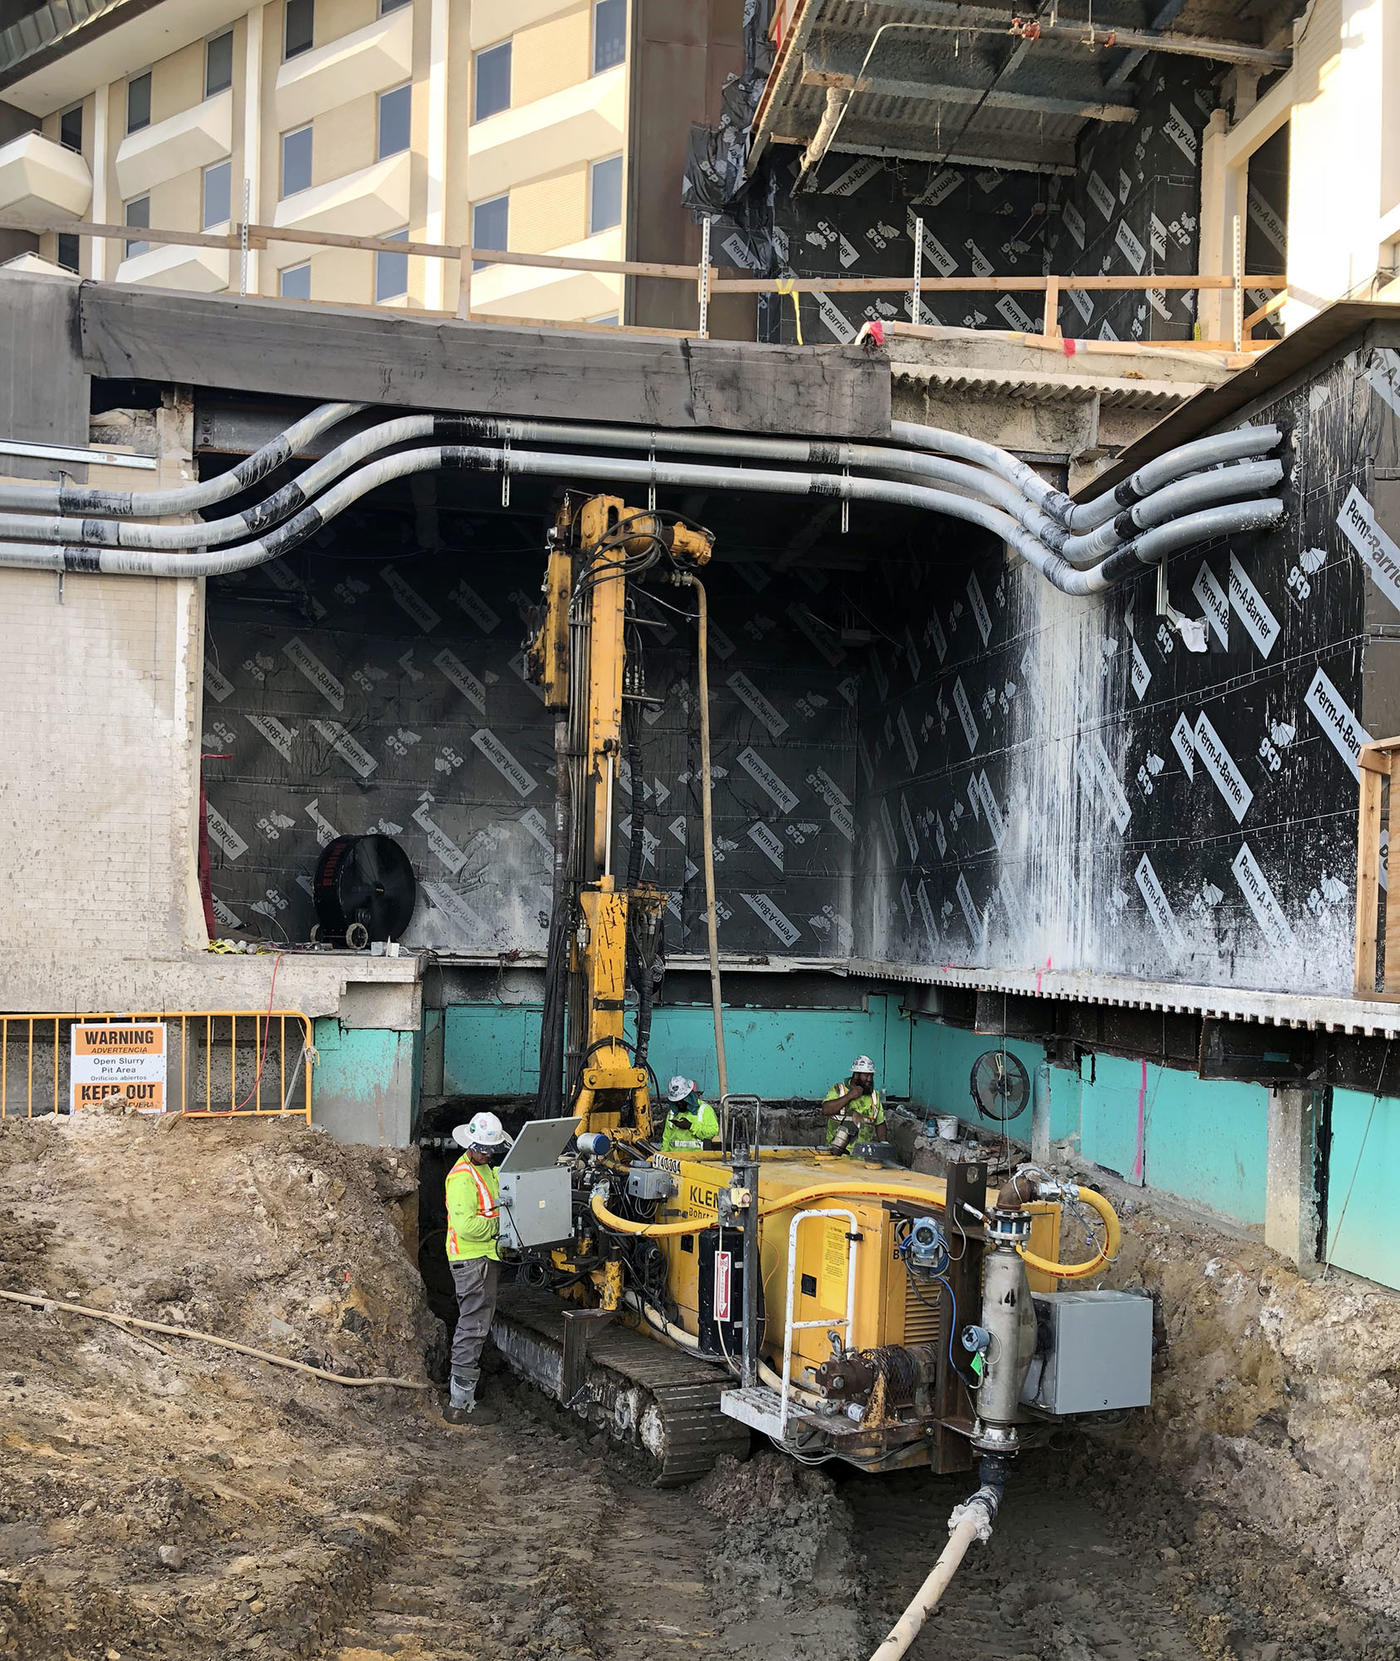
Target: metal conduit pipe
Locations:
point(1166, 469)
point(188, 498)
point(978, 481)
point(1011, 468)
point(206, 533)
point(1198, 491)
point(143, 562)
point(1152, 547)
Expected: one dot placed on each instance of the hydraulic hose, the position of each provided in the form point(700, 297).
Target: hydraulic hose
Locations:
point(190, 498)
point(624, 1225)
point(1108, 1248)
point(687, 1341)
point(708, 835)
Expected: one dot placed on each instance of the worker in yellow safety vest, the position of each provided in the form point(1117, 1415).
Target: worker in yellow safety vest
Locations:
point(690, 1120)
point(853, 1109)
point(473, 1227)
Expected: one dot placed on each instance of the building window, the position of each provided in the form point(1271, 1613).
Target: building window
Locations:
point(70, 129)
point(217, 186)
point(295, 282)
point(392, 5)
point(68, 250)
point(492, 81)
point(609, 34)
point(218, 63)
point(296, 161)
point(604, 195)
point(299, 27)
point(138, 214)
point(138, 102)
point(391, 270)
point(490, 227)
point(395, 114)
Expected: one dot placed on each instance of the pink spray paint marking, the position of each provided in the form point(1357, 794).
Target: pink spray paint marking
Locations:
point(1142, 1123)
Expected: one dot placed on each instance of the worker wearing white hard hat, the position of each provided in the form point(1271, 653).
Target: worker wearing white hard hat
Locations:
point(473, 1228)
point(690, 1120)
point(853, 1109)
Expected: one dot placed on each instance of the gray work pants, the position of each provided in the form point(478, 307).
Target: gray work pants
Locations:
point(475, 1280)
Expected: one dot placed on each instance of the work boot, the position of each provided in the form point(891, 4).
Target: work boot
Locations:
point(462, 1406)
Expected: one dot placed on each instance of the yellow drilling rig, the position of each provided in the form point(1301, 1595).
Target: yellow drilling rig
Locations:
point(843, 1309)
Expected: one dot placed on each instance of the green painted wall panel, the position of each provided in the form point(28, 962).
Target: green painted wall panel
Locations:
point(1207, 1140)
point(364, 1088)
point(1108, 1114)
point(1362, 1167)
point(493, 1049)
point(1204, 1141)
point(942, 1071)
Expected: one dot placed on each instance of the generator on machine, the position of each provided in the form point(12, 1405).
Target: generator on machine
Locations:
point(844, 1309)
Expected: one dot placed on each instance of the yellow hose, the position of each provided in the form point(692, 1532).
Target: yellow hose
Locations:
point(859, 1190)
point(892, 1191)
point(624, 1225)
point(1112, 1236)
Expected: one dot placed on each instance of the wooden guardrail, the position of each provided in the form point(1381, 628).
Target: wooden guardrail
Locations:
point(1377, 900)
point(249, 238)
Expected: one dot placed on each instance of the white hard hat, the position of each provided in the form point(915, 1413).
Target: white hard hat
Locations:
point(863, 1064)
point(482, 1130)
point(679, 1088)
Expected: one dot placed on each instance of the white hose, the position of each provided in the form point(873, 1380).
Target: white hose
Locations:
point(904, 1631)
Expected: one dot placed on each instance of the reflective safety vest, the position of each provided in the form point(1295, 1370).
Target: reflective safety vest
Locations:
point(870, 1107)
point(703, 1127)
point(473, 1211)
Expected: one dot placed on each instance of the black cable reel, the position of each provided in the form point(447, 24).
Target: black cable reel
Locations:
point(364, 891)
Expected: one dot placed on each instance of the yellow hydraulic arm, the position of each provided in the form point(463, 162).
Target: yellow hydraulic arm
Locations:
point(579, 655)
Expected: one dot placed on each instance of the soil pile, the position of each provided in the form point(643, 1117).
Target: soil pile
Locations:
point(1275, 1395)
point(157, 1491)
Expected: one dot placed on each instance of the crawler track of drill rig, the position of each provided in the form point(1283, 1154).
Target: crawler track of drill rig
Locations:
point(644, 1393)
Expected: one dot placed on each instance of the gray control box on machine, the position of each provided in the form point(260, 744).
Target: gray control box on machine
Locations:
point(1099, 1356)
point(536, 1191)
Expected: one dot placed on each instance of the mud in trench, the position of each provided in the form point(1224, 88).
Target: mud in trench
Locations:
point(161, 1498)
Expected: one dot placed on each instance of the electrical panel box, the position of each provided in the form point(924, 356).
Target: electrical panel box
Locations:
point(536, 1191)
point(1093, 1352)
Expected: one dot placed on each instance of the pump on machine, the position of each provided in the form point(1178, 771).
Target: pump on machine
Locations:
point(841, 1308)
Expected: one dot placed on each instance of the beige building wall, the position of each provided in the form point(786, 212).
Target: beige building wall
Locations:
point(537, 153)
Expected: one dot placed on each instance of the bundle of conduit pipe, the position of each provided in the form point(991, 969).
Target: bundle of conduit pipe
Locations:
point(1210, 488)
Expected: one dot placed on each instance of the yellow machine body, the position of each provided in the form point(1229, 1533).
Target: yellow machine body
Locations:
point(890, 1306)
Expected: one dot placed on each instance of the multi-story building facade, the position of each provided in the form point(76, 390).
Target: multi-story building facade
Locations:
point(504, 124)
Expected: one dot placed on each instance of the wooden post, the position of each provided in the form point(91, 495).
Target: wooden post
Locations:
point(464, 285)
point(1052, 308)
point(1374, 769)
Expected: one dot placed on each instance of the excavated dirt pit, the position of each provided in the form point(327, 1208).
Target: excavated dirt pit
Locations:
point(163, 1498)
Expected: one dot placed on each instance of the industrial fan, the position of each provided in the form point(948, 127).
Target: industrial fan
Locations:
point(1001, 1086)
point(364, 890)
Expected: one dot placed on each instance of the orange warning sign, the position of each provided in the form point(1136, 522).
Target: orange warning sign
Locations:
point(112, 1059)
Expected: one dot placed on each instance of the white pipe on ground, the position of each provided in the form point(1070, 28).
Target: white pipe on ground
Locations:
point(970, 1521)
